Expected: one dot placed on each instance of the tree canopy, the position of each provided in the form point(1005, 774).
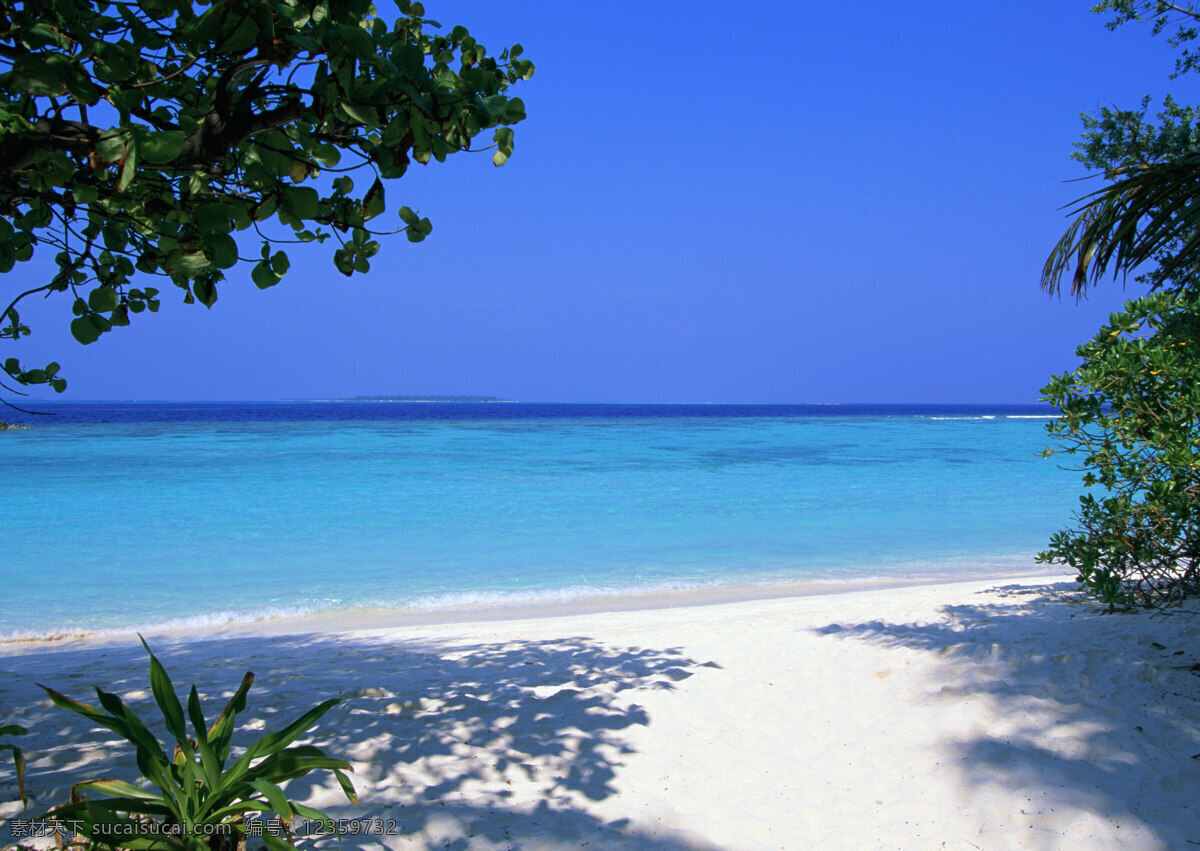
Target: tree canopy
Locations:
point(169, 141)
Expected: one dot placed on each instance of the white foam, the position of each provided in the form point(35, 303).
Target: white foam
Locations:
point(497, 598)
point(463, 602)
point(187, 622)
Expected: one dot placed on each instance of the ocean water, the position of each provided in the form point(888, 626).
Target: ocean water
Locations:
point(120, 516)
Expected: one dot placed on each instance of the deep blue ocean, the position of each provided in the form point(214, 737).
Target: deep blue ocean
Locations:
point(142, 514)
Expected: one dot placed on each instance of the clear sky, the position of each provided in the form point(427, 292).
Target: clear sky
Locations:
point(751, 202)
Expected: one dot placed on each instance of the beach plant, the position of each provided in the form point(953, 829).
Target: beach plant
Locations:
point(1131, 415)
point(18, 757)
point(194, 798)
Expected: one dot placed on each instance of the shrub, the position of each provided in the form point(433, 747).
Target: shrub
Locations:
point(1132, 411)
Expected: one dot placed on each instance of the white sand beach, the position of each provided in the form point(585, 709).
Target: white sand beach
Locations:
point(985, 714)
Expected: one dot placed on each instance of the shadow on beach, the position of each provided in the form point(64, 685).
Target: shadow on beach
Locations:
point(1097, 712)
point(455, 746)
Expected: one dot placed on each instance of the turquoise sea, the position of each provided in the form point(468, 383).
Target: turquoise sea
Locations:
point(121, 516)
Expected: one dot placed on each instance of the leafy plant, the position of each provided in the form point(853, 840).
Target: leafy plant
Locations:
point(18, 757)
point(195, 799)
point(1132, 411)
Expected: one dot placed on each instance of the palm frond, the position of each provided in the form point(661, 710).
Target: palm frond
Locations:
point(1129, 222)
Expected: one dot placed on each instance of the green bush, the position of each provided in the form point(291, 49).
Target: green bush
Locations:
point(1131, 411)
point(193, 800)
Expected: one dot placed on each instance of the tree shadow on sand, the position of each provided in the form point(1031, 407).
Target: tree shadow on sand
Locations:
point(456, 746)
point(1100, 712)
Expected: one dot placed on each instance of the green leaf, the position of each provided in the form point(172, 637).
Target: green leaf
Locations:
point(116, 788)
point(289, 734)
point(357, 112)
point(262, 275)
point(168, 702)
point(220, 733)
point(327, 155)
point(84, 330)
point(103, 299)
point(275, 797)
point(503, 137)
point(312, 814)
point(162, 148)
point(343, 261)
point(93, 714)
point(206, 291)
point(18, 764)
point(295, 762)
point(191, 262)
point(111, 146)
point(373, 202)
point(129, 166)
point(35, 74)
point(358, 39)
point(303, 201)
point(213, 217)
point(347, 787)
point(224, 250)
point(418, 230)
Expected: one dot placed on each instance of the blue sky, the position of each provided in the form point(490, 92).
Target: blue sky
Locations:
point(754, 202)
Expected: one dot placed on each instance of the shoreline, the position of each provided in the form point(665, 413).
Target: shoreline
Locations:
point(350, 619)
point(981, 713)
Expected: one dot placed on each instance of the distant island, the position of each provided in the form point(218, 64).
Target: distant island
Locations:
point(424, 399)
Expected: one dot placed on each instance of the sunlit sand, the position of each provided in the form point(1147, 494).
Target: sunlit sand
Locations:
point(985, 714)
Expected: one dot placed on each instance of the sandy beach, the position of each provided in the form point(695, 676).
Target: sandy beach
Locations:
point(982, 714)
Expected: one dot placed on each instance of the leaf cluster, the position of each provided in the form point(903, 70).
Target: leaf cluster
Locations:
point(1131, 415)
point(1150, 210)
point(1164, 16)
point(160, 138)
point(196, 788)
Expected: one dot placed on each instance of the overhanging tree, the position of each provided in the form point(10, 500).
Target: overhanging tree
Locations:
point(171, 141)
